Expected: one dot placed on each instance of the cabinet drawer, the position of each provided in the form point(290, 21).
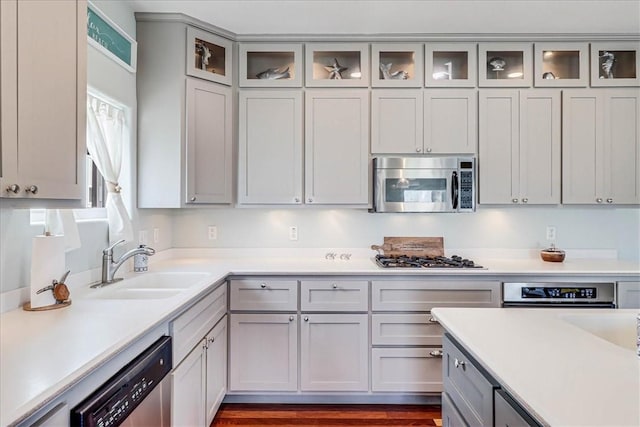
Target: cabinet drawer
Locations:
point(470, 389)
point(406, 295)
point(509, 413)
point(405, 329)
point(264, 295)
point(334, 295)
point(406, 369)
point(450, 415)
point(190, 327)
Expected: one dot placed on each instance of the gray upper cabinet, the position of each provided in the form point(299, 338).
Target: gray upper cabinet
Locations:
point(601, 162)
point(519, 141)
point(396, 121)
point(615, 63)
point(505, 64)
point(450, 121)
point(336, 65)
point(43, 110)
point(337, 146)
point(270, 65)
point(208, 143)
point(270, 147)
point(184, 124)
point(397, 65)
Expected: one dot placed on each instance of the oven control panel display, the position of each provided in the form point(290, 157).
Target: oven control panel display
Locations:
point(560, 293)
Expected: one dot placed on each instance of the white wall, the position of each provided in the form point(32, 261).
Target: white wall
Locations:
point(494, 228)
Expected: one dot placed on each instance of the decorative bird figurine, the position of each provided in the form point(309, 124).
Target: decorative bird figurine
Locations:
point(388, 75)
point(335, 70)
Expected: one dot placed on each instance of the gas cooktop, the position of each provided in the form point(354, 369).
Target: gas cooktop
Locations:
point(402, 261)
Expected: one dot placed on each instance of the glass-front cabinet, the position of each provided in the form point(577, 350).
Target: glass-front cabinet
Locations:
point(396, 65)
point(208, 56)
point(337, 65)
point(450, 65)
point(270, 65)
point(505, 64)
point(561, 64)
point(615, 63)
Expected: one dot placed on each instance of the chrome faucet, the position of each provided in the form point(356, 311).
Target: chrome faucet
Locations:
point(109, 266)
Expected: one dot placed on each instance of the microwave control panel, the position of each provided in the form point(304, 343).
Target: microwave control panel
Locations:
point(466, 185)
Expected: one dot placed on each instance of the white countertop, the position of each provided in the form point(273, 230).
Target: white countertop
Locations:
point(562, 374)
point(78, 339)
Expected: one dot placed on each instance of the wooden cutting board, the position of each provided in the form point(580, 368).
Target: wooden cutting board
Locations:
point(411, 246)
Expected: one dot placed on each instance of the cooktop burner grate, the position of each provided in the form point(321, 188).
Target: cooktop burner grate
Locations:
point(454, 261)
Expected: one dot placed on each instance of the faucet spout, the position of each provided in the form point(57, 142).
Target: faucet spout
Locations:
point(111, 266)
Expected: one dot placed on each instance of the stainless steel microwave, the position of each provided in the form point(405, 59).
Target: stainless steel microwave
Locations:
point(424, 184)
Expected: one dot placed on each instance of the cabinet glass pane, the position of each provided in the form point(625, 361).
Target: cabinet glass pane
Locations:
point(505, 65)
point(617, 64)
point(271, 65)
point(450, 65)
point(397, 65)
point(209, 57)
point(344, 65)
point(560, 64)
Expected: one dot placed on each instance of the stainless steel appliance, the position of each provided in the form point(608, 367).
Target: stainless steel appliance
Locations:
point(424, 184)
point(404, 261)
point(559, 294)
point(136, 396)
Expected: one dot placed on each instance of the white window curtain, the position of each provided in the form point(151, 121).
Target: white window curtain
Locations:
point(105, 126)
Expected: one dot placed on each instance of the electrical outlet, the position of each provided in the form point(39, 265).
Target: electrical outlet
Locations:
point(156, 235)
point(551, 233)
point(143, 237)
point(293, 233)
point(212, 231)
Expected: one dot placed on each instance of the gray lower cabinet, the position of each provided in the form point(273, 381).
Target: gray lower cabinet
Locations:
point(406, 370)
point(468, 386)
point(450, 415)
point(628, 294)
point(508, 413)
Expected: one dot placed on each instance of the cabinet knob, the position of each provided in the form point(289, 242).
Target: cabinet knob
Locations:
point(212, 340)
point(428, 150)
point(514, 200)
point(335, 286)
point(33, 189)
point(609, 200)
point(435, 353)
point(525, 200)
point(599, 200)
point(310, 200)
point(418, 149)
point(306, 318)
point(193, 199)
point(459, 363)
point(297, 200)
point(433, 320)
point(290, 318)
point(263, 285)
point(13, 188)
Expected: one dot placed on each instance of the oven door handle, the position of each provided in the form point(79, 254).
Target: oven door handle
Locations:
point(454, 190)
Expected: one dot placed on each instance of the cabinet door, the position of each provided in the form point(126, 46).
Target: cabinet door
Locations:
point(539, 160)
point(263, 352)
point(406, 369)
point(621, 151)
point(450, 121)
point(270, 147)
point(44, 114)
point(499, 130)
point(334, 352)
point(336, 147)
point(581, 145)
point(216, 385)
point(208, 142)
point(188, 389)
point(450, 415)
point(396, 121)
point(508, 413)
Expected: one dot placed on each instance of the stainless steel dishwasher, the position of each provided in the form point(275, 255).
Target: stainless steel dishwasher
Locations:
point(136, 396)
point(558, 295)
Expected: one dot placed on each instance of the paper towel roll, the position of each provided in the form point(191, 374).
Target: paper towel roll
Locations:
point(47, 264)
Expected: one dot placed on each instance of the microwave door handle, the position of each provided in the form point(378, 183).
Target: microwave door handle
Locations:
point(454, 190)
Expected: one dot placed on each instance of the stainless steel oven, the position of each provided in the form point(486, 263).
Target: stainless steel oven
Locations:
point(559, 295)
point(424, 184)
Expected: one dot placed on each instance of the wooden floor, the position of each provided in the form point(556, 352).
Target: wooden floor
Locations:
point(247, 415)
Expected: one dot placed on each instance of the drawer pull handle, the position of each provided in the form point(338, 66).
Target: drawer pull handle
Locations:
point(263, 285)
point(433, 320)
point(13, 188)
point(335, 286)
point(436, 353)
point(290, 318)
point(459, 363)
point(306, 319)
